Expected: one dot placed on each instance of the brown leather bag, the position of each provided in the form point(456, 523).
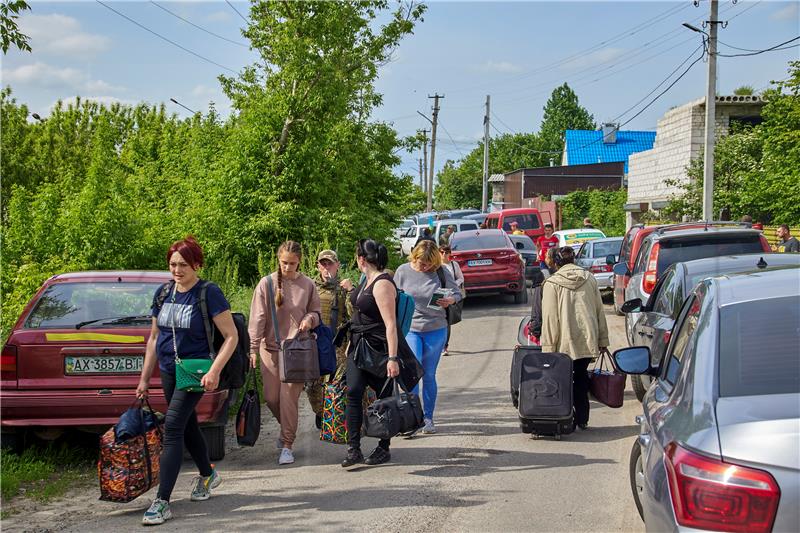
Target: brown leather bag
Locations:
point(607, 386)
point(298, 360)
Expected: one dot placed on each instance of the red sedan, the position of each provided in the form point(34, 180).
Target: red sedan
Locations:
point(490, 262)
point(74, 357)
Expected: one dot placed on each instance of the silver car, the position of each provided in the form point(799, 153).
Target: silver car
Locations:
point(719, 443)
point(594, 256)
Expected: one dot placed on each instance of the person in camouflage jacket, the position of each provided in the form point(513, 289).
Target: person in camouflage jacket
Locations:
point(332, 295)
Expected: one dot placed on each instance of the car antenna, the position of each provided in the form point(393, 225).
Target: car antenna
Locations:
point(761, 263)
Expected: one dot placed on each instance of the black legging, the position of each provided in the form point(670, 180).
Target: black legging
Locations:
point(357, 381)
point(580, 389)
point(180, 428)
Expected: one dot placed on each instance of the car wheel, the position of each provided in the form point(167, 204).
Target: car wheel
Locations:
point(215, 442)
point(640, 385)
point(636, 472)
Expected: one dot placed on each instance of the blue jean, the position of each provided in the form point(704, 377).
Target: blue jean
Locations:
point(427, 347)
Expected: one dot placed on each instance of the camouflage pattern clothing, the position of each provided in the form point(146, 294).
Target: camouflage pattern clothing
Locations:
point(326, 291)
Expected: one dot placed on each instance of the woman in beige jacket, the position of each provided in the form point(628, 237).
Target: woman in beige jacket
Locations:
point(574, 323)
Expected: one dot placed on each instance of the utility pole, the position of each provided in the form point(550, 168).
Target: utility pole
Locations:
point(485, 193)
point(711, 115)
point(420, 173)
point(432, 169)
point(424, 178)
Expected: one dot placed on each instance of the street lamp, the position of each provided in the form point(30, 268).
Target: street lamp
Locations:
point(37, 117)
point(694, 28)
point(183, 106)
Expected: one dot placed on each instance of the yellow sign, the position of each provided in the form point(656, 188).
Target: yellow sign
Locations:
point(103, 337)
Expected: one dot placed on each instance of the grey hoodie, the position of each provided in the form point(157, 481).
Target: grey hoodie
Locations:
point(574, 321)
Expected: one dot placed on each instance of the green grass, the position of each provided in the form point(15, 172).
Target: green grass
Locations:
point(43, 471)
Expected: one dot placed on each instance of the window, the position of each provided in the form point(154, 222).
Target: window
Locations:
point(679, 347)
point(467, 242)
point(605, 248)
point(584, 251)
point(705, 245)
point(627, 245)
point(663, 298)
point(524, 221)
point(491, 222)
point(758, 347)
point(641, 259)
point(467, 227)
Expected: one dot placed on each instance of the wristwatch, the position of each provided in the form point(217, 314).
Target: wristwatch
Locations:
point(393, 358)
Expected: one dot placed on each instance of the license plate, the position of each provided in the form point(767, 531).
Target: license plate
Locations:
point(479, 262)
point(108, 364)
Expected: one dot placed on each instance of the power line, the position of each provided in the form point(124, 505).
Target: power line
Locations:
point(770, 49)
point(237, 12)
point(126, 17)
point(237, 43)
point(451, 139)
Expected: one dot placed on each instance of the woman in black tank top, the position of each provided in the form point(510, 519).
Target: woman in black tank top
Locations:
point(374, 305)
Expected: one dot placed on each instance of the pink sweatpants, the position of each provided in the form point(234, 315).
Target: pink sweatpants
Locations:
point(283, 399)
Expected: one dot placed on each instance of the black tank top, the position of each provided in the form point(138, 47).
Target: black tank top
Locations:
point(367, 311)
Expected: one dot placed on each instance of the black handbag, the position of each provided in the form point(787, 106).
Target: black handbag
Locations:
point(248, 419)
point(454, 312)
point(399, 413)
point(370, 358)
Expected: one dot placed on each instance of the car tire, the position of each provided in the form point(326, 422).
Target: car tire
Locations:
point(636, 474)
point(215, 441)
point(640, 385)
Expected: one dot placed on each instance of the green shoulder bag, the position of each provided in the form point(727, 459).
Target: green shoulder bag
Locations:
point(188, 372)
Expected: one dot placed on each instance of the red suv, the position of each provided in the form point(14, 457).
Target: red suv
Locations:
point(528, 220)
point(74, 356)
point(490, 262)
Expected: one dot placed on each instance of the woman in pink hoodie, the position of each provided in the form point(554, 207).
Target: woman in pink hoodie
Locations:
point(297, 308)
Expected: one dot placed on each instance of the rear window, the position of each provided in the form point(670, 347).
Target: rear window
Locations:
point(491, 223)
point(758, 347)
point(527, 221)
point(467, 227)
point(527, 243)
point(603, 249)
point(627, 246)
point(674, 251)
point(479, 242)
point(67, 304)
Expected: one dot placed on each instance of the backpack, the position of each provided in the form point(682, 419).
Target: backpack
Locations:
point(234, 374)
point(326, 350)
point(405, 308)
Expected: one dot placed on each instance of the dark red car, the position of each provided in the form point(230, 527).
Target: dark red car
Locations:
point(490, 262)
point(74, 356)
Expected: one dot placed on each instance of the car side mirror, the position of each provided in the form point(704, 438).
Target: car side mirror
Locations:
point(519, 246)
point(611, 259)
point(634, 360)
point(621, 269)
point(631, 306)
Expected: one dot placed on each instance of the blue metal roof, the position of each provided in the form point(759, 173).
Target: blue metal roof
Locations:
point(585, 147)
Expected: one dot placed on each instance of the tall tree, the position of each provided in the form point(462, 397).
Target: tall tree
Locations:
point(9, 30)
point(563, 112)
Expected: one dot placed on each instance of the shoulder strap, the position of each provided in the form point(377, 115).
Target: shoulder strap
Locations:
point(206, 319)
point(162, 296)
point(271, 298)
point(440, 273)
point(334, 309)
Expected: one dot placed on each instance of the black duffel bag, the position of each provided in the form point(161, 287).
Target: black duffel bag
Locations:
point(399, 413)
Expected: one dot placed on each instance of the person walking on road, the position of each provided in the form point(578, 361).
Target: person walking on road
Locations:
point(420, 278)
point(427, 235)
point(375, 317)
point(458, 275)
point(573, 322)
point(786, 243)
point(178, 330)
point(444, 238)
point(544, 243)
point(335, 311)
point(297, 309)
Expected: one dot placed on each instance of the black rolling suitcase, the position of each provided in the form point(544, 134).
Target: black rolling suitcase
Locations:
point(545, 393)
point(516, 369)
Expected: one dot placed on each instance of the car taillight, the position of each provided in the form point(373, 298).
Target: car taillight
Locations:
point(651, 273)
point(710, 494)
point(667, 336)
point(598, 269)
point(8, 363)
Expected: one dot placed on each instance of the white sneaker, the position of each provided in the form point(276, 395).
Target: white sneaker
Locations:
point(429, 428)
point(158, 513)
point(286, 458)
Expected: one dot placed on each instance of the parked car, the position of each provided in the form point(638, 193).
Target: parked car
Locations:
point(657, 315)
point(410, 238)
point(576, 237)
point(479, 218)
point(403, 228)
point(667, 245)
point(627, 254)
point(594, 256)
point(719, 442)
point(412, 235)
point(73, 358)
point(528, 220)
point(528, 251)
point(463, 213)
point(490, 263)
point(461, 224)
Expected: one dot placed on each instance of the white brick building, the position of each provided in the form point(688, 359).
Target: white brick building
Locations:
point(679, 139)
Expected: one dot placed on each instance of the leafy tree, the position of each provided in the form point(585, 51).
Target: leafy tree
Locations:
point(745, 90)
point(604, 207)
point(563, 112)
point(9, 31)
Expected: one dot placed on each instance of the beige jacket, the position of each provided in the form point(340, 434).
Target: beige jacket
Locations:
point(573, 320)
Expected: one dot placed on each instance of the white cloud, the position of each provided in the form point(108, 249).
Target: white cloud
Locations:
point(61, 35)
point(204, 91)
point(44, 75)
point(100, 86)
point(604, 55)
point(503, 67)
point(219, 16)
point(790, 12)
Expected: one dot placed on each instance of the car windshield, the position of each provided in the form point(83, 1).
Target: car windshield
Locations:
point(526, 221)
point(527, 243)
point(606, 248)
point(64, 305)
point(758, 343)
point(673, 251)
point(406, 223)
point(478, 242)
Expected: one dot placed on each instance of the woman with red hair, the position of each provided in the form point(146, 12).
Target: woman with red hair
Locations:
point(178, 331)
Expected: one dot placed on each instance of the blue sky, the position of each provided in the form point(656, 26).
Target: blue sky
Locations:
point(611, 53)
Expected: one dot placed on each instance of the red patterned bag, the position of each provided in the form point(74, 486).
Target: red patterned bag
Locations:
point(129, 468)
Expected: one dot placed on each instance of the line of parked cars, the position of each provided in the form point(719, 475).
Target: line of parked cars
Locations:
point(713, 321)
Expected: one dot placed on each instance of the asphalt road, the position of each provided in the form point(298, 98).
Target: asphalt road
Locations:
point(479, 473)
